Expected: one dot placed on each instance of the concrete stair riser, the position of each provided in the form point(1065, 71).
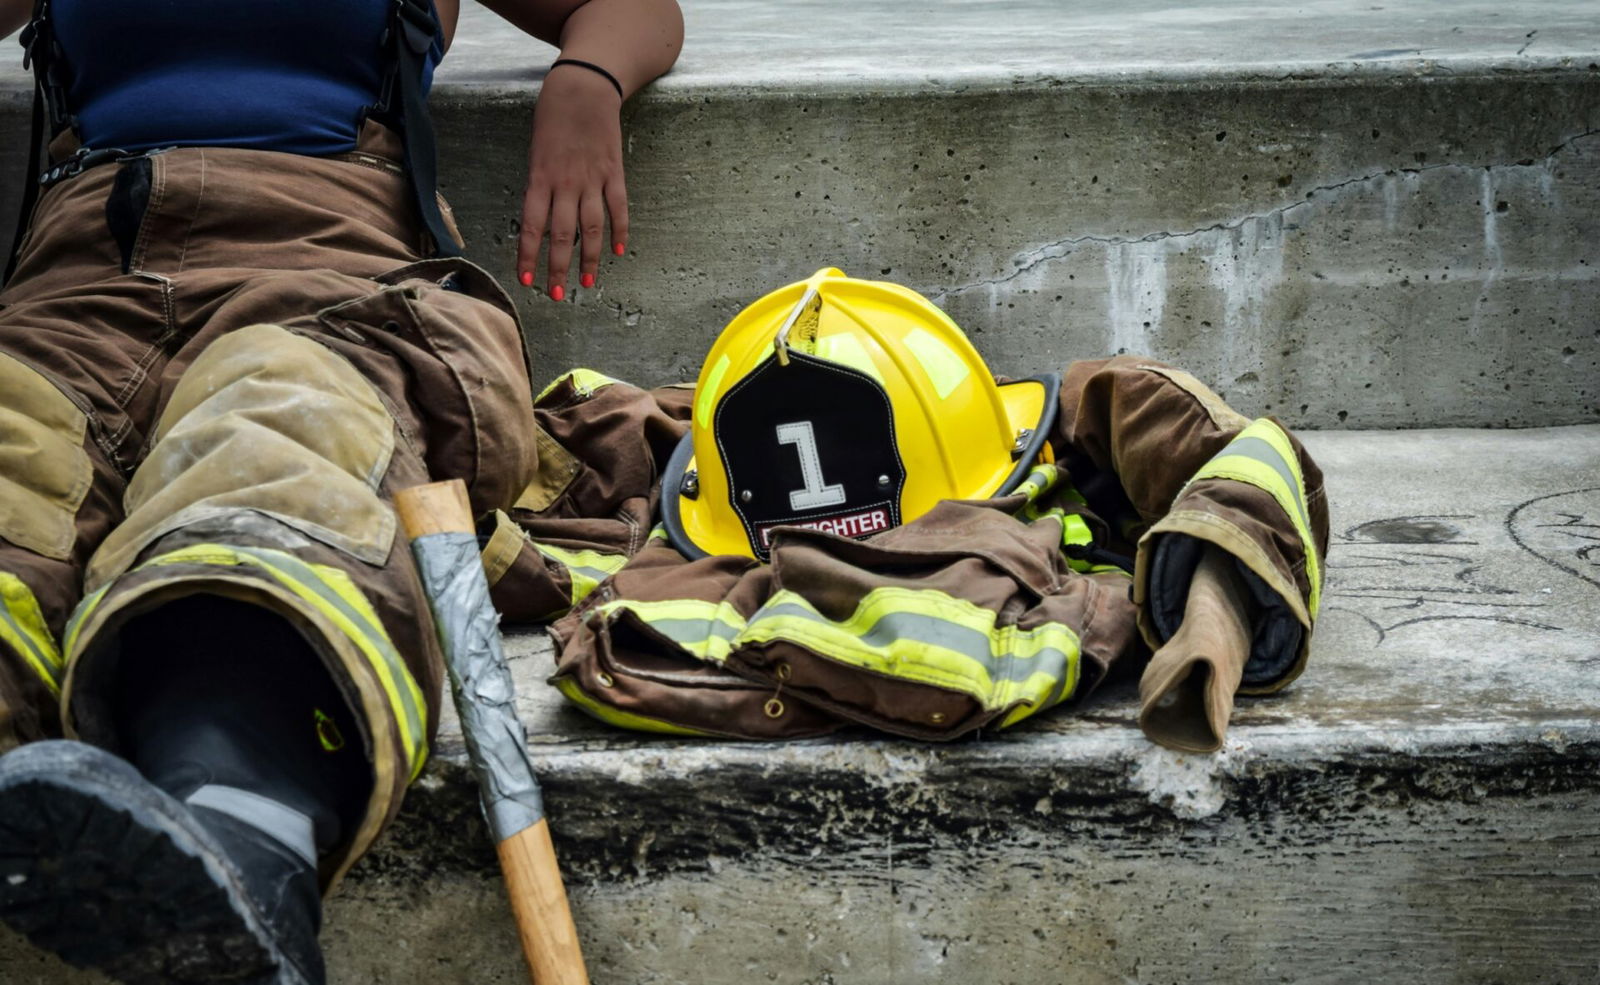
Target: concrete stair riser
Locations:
point(1367, 253)
point(1393, 254)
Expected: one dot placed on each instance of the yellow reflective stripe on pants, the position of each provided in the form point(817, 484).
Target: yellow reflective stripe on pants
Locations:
point(1262, 456)
point(22, 628)
point(616, 716)
point(704, 630)
point(929, 637)
point(332, 593)
point(585, 569)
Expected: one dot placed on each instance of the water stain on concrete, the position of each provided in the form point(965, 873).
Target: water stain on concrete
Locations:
point(1410, 530)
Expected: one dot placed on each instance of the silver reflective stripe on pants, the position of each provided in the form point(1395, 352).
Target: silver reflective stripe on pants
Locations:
point(266, 815)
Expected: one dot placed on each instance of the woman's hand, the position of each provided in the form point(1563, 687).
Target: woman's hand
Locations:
point(574, 178)
point(575, 162)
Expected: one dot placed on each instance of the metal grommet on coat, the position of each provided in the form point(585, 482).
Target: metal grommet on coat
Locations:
point(606, 680)
point(773, 708)
point(784, 671)
point(937, 718)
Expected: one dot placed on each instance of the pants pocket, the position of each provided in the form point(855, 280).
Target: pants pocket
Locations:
point(456, 335)
point(44, 471)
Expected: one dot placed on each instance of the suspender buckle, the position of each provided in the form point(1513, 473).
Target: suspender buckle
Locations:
point(417, 24)
point(81, 161)
point(29, 35)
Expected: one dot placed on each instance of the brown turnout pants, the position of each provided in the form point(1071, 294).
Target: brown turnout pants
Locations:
point(216, 368)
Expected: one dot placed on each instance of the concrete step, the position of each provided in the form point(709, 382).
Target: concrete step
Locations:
point(1429, 791)
point(1349, 215)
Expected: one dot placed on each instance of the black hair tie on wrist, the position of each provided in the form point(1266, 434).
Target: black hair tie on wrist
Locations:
point(591, 66)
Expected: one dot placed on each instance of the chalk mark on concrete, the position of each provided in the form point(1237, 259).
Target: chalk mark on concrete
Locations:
point(1406, 559)
point(1576, 525)
point(1389, 584)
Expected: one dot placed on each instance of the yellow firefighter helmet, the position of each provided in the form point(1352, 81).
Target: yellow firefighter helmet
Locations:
point(849, 406)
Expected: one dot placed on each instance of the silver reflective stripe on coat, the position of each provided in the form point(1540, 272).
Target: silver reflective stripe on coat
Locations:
point(1263, 452)
point(915, 627)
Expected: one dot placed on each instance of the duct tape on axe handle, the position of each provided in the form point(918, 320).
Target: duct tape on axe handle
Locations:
point(469, 629)
point(438, 519)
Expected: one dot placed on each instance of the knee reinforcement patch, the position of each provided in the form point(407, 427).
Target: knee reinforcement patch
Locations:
point(267, 421)
point(44, 471)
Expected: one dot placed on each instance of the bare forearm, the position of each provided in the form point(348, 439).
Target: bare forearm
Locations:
point(635, 40)
point(14, 14)
point(575, 173)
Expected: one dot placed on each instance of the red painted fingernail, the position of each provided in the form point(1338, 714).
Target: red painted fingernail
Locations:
point(526, 278)
point(587, 280)
point(618, 249)
point(557, 293)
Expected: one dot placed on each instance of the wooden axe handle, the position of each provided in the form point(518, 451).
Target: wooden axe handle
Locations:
point(436, 508)
point(527, 858)
point(539, 903)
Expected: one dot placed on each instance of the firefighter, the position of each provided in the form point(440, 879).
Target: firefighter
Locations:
point(236, 323)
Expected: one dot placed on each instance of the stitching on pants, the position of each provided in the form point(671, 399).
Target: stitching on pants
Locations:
point(158, 195)
point(199, 201)
point(141, 372)
point(633, 531)
point(169, 309)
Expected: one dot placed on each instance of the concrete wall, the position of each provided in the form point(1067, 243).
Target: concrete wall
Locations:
point(1350, 252)
point(1392, 254)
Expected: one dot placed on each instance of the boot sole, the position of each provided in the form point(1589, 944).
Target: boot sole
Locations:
point(109, 872)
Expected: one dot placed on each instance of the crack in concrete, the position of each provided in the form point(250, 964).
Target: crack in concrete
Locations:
point(1029, 259)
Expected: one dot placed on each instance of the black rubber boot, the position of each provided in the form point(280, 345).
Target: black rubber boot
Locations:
point(193, 860)
point(109, 872)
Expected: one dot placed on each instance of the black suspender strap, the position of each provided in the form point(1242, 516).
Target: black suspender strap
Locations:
point(411, 33)
point(40, 54)
point(30, 186)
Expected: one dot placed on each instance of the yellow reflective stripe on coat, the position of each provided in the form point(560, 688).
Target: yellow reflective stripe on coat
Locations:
point(616, 716)
point(585, 381)
point(585, 569)
point(332, 593)
point(704, 630)
point(1262, 456)
point(23, 629)
point(1075, 532)
point(930, 637)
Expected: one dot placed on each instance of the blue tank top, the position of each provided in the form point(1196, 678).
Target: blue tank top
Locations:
point(284, 75)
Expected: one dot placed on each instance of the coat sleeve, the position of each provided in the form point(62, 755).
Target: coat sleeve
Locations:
point(590, 505)
point(1191, 471)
